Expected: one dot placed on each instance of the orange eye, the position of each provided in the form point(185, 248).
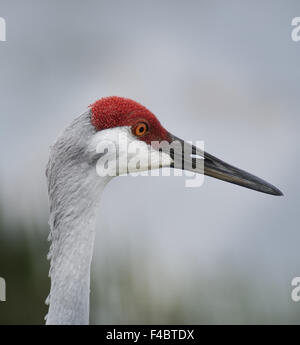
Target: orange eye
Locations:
point(140, 129)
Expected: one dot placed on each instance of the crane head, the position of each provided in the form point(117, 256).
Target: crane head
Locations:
point(122, 122)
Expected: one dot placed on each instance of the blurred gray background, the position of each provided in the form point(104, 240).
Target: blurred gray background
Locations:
point(226, 72)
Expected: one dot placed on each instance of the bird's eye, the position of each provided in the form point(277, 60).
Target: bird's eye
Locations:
point(140, 129)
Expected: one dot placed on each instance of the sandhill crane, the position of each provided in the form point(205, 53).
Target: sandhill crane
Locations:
point(74, 188)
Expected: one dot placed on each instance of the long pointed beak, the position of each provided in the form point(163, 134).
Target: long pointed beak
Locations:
point(184, 158)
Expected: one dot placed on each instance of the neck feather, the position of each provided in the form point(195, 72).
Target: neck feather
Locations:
point(71, 255)
point(74, 191)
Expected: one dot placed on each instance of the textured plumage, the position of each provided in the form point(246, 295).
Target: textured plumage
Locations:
point(74, 190)
point(115, 111)
point(75, 187)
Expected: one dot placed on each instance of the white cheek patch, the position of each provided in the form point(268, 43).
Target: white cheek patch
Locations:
point(117, 135)
point(121, 153)
point(138, 157)
point(142, 158)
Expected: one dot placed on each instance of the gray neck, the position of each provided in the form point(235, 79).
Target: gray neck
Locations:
point(74, 191)
point(71, 255)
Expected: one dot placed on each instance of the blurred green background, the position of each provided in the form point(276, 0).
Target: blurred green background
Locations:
point(23, 264)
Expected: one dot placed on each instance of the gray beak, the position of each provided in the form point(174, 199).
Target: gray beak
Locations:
point(185, 155)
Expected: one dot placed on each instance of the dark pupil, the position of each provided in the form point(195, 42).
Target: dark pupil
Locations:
point(141, 129)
